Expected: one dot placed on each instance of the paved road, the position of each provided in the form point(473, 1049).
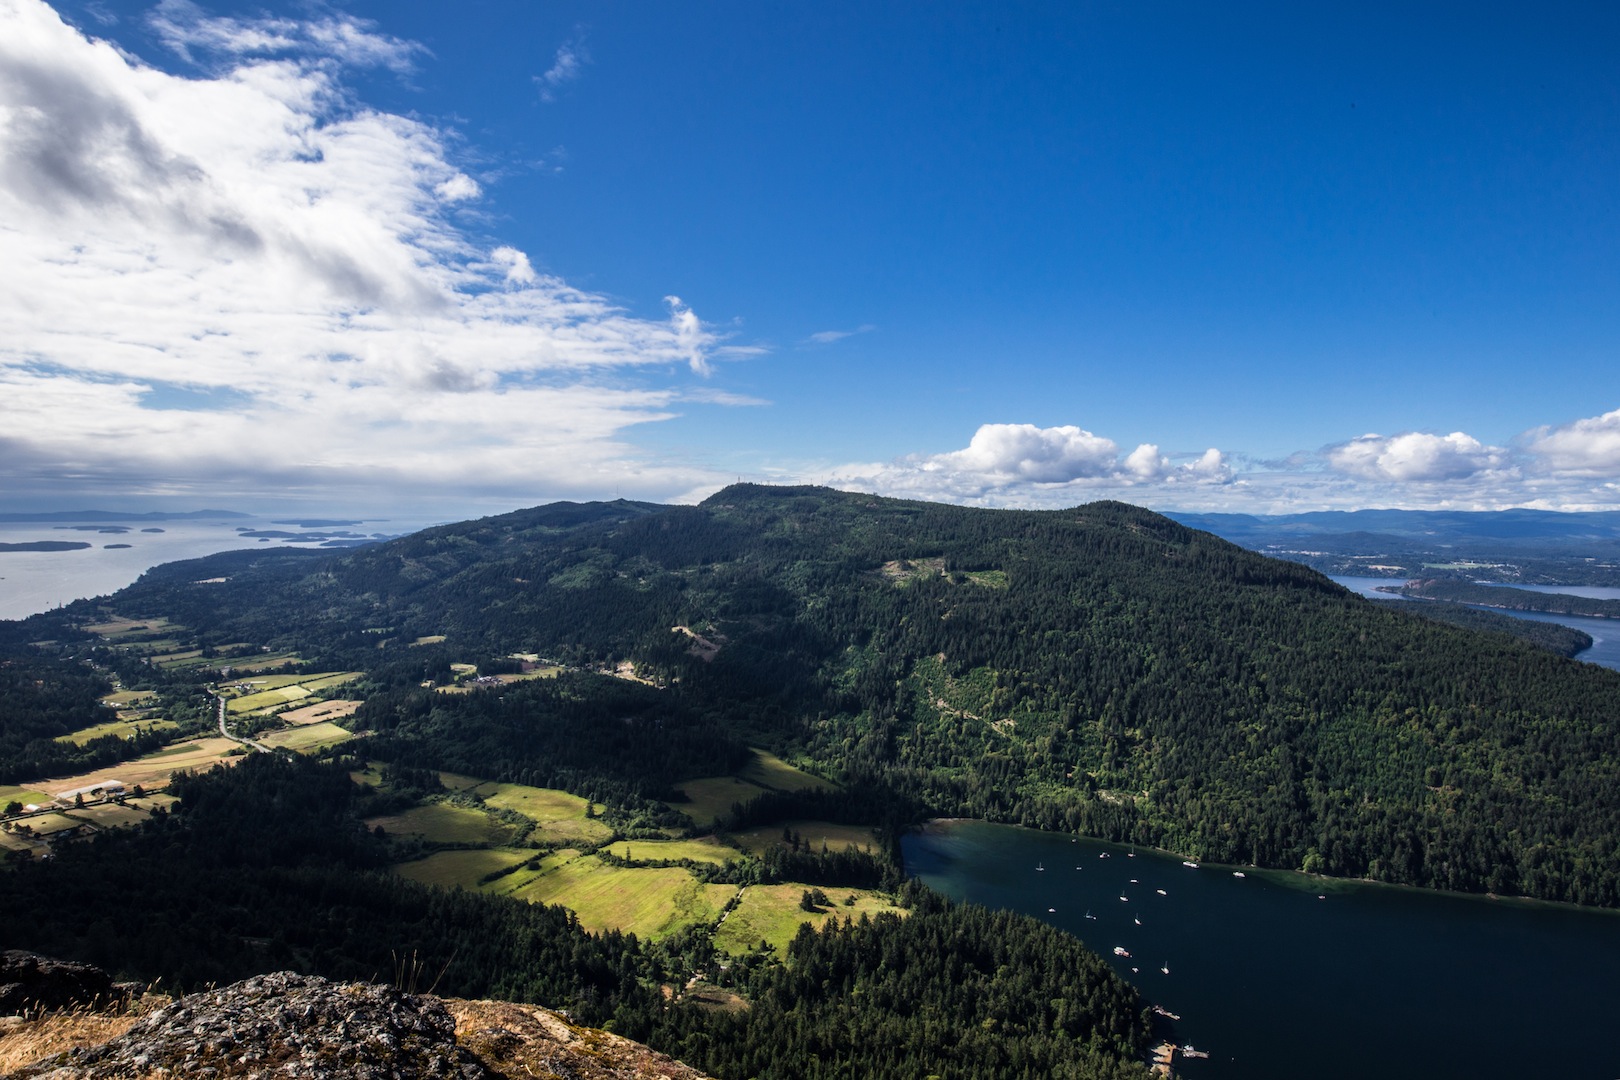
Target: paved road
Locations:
point(223, 730)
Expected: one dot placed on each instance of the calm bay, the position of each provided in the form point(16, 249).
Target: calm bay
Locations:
point(1283, 975)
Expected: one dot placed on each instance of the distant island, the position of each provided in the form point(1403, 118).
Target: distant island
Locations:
point(46, 545)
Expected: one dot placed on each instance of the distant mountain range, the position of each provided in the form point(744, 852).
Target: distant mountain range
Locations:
point(32, 517)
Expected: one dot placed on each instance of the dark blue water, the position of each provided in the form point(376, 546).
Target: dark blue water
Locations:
point(1605, 633)
point(1275, 982)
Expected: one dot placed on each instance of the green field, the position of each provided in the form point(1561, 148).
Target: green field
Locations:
point(465, 868)
point(307, 737)
point(650, 903)
point(442, 823)
point(815, 833)
point(24, 795)
point(768, 770)
point(124, 729)
point(265, 699)
point(771, 913)
point(558, 816)
point(707, 850)
point(711, 796)
point(111, 815)
point(47, 824)
point(322, 682)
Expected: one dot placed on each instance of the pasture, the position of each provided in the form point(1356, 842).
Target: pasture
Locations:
point(650, 903)
point(265, 699)
point(558, 816)
point(152, 771)
point(123, 729)
point(308, 737)
point(769, 771)
point(10, 793)
point(706, 849)
point(710, 796)
point(443, 823)
point(771, 913)
point(125, 698)
point(449, 869)
point(321, 710)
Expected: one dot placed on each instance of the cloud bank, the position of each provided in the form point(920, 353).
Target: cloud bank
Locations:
point(245, 280)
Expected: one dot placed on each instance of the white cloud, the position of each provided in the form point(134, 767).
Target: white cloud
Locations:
point(1026, 465)
point(254, 241)
point(1415, 456)
point(1588, 447)
point(568, 65)
point(827, 337)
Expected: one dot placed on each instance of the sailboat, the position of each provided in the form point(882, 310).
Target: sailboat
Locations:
point(1166, 967)
point(1090, 916)
point(1040, 866)
point(1137, 920)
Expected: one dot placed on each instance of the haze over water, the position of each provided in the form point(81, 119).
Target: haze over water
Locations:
point(1275, 983)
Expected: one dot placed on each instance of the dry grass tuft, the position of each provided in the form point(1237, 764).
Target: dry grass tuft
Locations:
point(27, 1039)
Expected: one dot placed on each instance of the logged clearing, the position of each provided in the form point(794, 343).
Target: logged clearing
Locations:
point(650, 903)
point(815, 833)
point(123, 729)
point(558, 816)
point(467, 869)
point(321, 710)
point(771, 913)
point(706, 849)
point(768, 770)
point(711, 796)
point(308, 737)
point(442, 823)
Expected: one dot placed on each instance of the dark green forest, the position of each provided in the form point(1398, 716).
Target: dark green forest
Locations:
point(1100, 669)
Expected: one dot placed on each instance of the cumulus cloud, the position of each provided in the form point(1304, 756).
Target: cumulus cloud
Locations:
point(1588, 447)
point(1415, 456)
point(256, 243)
point(1026, 465)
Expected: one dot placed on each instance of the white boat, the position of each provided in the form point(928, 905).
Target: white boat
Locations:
point(1161, 892)
point(1090, 916)
point(1051, 911)
point(1124, 899)
point(1239, 873)
point(1137, 921)
point(1119, 950)
point(1189, 862)
point(1040, 866)
point(1166, 967)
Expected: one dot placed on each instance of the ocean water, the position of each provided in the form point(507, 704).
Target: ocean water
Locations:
point(35, 581)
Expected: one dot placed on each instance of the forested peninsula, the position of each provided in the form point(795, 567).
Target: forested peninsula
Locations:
point(1459, 591)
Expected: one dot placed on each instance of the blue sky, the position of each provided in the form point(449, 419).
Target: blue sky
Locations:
point(1266, 259)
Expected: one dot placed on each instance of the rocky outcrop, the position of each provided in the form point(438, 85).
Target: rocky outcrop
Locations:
point(285, 1025)
point(30, 983)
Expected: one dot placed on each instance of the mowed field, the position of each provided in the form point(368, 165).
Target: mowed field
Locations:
point(151, 771)
point(771, 913)
point(709, 797)
point(768, 770)
point(705, 849)
point(308, 737)
point(336, 709)
point(650, 902)
point(558, 816)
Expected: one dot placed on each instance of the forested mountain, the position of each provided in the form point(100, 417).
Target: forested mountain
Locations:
point(1101, 668)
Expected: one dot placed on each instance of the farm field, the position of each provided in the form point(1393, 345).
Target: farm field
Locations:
point(558, 816)
point(125, 698)
point(710, 796)
point(815, 833)
point(308, 737)
point(152, 771)
point(449, 869)
point(111, 815)
point(771, 913)
point(768, 770)
point(321, 710)
point(10, 793)
point(648, 902)
point(124, 729)
point(706, 849)
point(442, 823)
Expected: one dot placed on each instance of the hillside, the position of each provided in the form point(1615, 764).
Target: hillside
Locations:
point(1101, 669)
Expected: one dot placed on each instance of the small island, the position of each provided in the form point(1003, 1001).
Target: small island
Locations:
point(1508, 598)
point(46, 545)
